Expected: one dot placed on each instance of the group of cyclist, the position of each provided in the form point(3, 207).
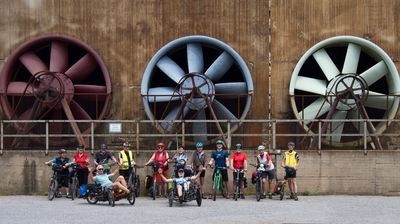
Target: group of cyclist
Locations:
point(187, 167)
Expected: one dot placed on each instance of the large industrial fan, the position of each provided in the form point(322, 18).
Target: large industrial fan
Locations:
point(340, 78)
point(55, 78)
point(197, 78)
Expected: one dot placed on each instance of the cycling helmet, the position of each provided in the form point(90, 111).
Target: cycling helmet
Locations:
point(181, 146)
point(126, 144)
point(238, 146)
point(219, 142)
point(261, 147)
point(61, 151)
point(161, 144)
point(81, 146)
point(199, 145)
point(103, 146)
point(290, 143)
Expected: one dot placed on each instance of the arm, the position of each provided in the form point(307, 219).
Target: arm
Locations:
point(245, 165)
point(227, 164)
point(113, 159)
point(283, 162)
point(163, 177)
point(48, 162)
point(211, 162)
point(150, 160)
point(198, 174)
point(298, 161)
point(91, 175)
point(166, 161)
point(115, 172)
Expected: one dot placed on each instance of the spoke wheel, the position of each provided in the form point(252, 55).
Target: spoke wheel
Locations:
point(197, 78)
point(52, 189)
point(340, 78)
point(55, 78)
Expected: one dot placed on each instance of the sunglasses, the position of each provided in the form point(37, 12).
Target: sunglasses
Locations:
point(100, 169)
point(181, 171)
point(160, 147)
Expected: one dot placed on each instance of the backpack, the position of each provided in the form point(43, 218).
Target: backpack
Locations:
point(148, 181)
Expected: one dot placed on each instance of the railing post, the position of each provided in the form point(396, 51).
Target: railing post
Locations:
point(47, 138)
point(1, 137)
point(137, 137)
point(319, 137)
point(183, 132)
point(229, 142)
point(92, 136)
point(365, 136)
point(274, 134)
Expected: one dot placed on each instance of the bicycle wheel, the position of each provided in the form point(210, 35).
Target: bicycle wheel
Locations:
point(237, 191)
point(215, 187)
point(74, 188)
point(111, 200)
point(171, 197)
point(199, 197)
point(52, 189)
point(132, 196)
point(154, 190)
point(137, 186)
point(91, 198)
point(258, 189)
point(282, 193)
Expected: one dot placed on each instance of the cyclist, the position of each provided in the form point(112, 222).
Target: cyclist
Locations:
point(102, 157)
point(126, 161)
point(264, 158)
point(63, 161)
point(239, 161)
point(221, 159)
point(82, 159)
point(197, 159)
point(104, 179)
point(182, 183)
point(180, 159)
point(290, 162)
point(161, 157)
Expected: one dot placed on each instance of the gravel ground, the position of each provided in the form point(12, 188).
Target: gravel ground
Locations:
point(311, 209)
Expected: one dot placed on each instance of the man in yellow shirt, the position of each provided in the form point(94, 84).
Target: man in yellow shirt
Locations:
point(290, 162)
point(126, 161)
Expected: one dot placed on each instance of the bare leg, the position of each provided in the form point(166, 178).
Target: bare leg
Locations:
point(179, 189)
point(227, 188)
point(263, 185)
point(201, 184)
point(120, 186)
point(269, 186)
point(294, 185)
point(290, 184)
point(121, 180)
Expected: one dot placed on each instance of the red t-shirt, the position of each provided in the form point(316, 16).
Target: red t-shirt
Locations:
point(238, 160)
point(161, 157)
point(81, 160)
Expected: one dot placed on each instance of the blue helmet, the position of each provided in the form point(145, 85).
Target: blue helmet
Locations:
point(290, 144)
point(238, 146)
point(103, 146)
point(199, 145)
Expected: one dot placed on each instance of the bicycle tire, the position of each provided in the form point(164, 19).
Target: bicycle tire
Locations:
point(199, 197)
point(137, 186)
point(237, 192)
point(52, 189)
point(74, 188)
point(258, 189)
point(171, 198)
point(91, 199)
point(111, 200)
point(132, 196)
point(282, 193)
point(215, 186)
point(154, 190)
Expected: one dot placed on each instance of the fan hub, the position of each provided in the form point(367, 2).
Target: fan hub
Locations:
point(349, 89)
point(196, 89)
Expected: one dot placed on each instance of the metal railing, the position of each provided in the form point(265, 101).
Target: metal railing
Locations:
point(139, 131)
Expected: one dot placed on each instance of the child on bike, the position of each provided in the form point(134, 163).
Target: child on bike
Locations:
point(239, 162)
point(264, 158)
point(63, 161)
point(221, 159)
point(290, 162)
point(182, 183)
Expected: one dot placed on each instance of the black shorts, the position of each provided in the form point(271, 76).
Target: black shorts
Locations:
point(270, 174)
point(203, 173)
point(224, 173)
point(241, 175)
point(63, 180)
point(290, 173)
point(125, 174)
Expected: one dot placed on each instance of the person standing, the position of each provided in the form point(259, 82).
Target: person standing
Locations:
point(82, 159)
point(198, 159)
point(102, 157)
point(221, 159)
point(126, 161)
point(161, 157)
point(290, 162)
point(239, 162)
point(265, 159)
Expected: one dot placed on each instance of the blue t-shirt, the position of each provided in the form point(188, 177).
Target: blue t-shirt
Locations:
point(220, 157)
point(60, 161)
point(181, 180)
point(103, 180)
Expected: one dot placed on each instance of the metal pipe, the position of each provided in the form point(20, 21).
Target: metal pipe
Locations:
point(229, 136)
point(92, 136)
point(183, 133)
point(47, 138)
point(365, 137)
point(1, 137)
point(319, 137)
point(274, 135)
point(137, 137)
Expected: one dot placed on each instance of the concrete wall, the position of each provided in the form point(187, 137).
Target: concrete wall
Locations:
point(332, 172)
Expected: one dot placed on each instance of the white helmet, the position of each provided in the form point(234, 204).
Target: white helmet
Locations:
point(261, 147)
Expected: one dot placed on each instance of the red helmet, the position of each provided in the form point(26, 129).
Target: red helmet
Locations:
point(161, 144)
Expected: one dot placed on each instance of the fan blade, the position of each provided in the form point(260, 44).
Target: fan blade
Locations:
point(170, 68)
point(379, 101)
point(18, 88)
point(82, 68)
point(315, 110)
point(56, 127)
point(337, 126)
point(58, 57)
point(234, 88)
point(26, 115)
point(78, 111)
point(351, 60)
point(222, 112)
point(162, 94)
point(359, 125)
point(166, 124)
point(195, 58)
point(326, 64)
point(375, 73)
point(311, 85)
point(220, 66)
point(33, 63)
point(200, 127)
point(80, 88)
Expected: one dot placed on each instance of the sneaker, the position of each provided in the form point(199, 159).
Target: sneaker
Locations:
point(68, 196)
point(181, 199)
point(295, 197)
point(270, 195)
point(242, 196)
point(58, 195)
point(263, 196)
point(227, 197)
point(291, 196)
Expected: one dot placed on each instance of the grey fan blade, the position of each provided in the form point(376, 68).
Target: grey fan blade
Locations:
point(375, 73)
point(222, 112)
point(311, 85)
point(219, 67)
point(167, 124)
point(326, 64)
point(337, 126)
point(379, 101)
point(315, 110)
point(359, 125)
point(162, 94)
point(170, 68)
point(231, 89)
point(351, 60)
point(195, 58)
point(200, 127)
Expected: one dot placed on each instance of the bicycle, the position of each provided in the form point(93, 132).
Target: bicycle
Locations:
point(53, 186)
point(238, 180)
point(218, 183)
point(134, 181)
point(74, 183)
point(153, 192)
point(260, 169)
